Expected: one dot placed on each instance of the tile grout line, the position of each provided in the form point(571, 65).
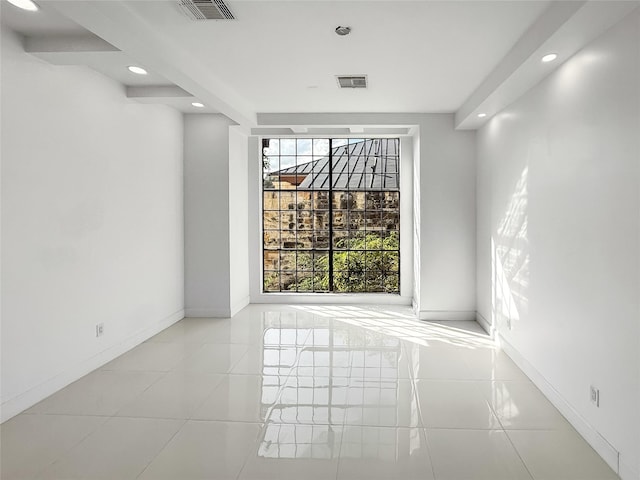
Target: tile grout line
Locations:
point(68, 451)
point(519, 455)
point(261, 430)
point(504, 430)
point(161, 449)
point(423, 427)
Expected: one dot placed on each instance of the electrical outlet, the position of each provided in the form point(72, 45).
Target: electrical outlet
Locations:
point(99, 329)
point(595, 396)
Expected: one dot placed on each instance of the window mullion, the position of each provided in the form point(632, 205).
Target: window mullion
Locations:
point(331, 215)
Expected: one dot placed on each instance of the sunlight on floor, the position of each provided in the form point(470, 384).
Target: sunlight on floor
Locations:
point(401, 323)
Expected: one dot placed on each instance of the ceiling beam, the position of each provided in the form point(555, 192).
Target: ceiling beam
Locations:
point(66, 44)
point(564, 28)
point(159, 91)
point(84, 49)
point(339, 119)
point(121, 26)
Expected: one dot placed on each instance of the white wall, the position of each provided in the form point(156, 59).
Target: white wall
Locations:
point(483, 238)
point(238, 219)
point(91, 223)
point(415, 302)
point(216, 192)
point(559, 201)
point(447, 220)
point(206, 215)
point(440, 172)
point(406, 227)
point(406, 240)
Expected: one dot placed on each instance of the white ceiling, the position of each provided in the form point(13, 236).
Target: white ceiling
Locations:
point(419, 56)
point(43, 22)
point(282, 56)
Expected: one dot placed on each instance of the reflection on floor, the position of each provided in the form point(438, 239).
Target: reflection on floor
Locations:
point(302, 392)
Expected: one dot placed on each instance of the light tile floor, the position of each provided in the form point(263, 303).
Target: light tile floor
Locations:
point(331, 392)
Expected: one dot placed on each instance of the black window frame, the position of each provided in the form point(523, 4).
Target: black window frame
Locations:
point(340, 239)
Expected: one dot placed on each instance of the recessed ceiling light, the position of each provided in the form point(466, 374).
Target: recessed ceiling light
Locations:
point(24, 5)
point(137, 70)
point(342, 31)
point(482, 115)
point(198, 104)
point(550, 57)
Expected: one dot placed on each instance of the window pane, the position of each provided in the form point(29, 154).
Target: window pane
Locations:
point(373, 241)
point(357, 240)
point(287, 200)
point(320, 147)
point(270, 164)
point(321, 200)
point(305, 241)
point(273, 148)
point(287, 146)
point(340, 219)
point(391, 262)
point(271, 220)
point(340, 240)
point(287, 278)
point(390, 220)
point(271, 239)
point(321, 219)
point(356, 221)
point(304, 281)
point(271, 281)
point(304, 220)
point(271, 200)
point(287, 219)
point(391, 283)
point(304, 200)
point(321, 240)
point(305, 261)
point(391, 240)
point(304, 146)
point(288, 261)
point(392, 200)
point(271, 260)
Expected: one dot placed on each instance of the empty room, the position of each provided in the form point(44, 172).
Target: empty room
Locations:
point(332, 239)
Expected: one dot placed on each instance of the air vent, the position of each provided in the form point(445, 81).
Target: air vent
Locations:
point(206, 9)
point(352, 81)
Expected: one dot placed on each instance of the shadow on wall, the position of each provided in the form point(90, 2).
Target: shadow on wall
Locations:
point(510, 259)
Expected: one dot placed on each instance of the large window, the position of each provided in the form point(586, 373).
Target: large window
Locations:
point(331, 215)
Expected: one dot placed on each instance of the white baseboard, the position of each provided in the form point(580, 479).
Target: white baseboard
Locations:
point(627, 472)
point(447, 315)
point(485, 324)
point(207, 312)
point(608, 453)
point(20, 403)
point(239, 305)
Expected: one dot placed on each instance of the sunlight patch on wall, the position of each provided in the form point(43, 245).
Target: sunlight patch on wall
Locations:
point(510, 258)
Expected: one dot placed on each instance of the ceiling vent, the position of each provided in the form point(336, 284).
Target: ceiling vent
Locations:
point(352, 81)
point(206, 9)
